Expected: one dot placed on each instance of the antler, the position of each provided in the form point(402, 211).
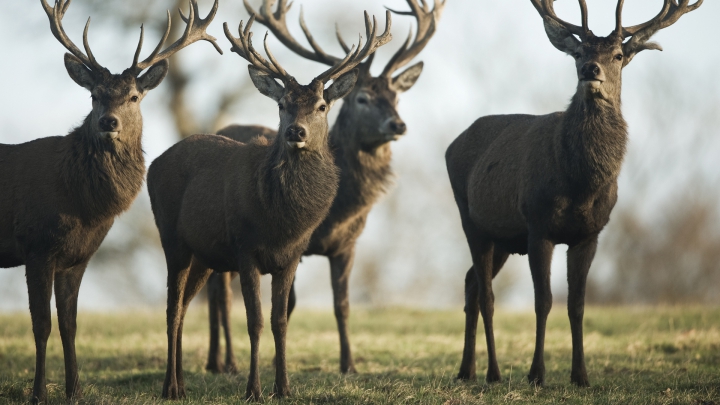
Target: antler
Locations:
point(670, 13)
point(55, 15)
point(545, 8)
point(427, 23)
point(243, 47)
point(194, 31)
point(354, 58)
point(277, 24)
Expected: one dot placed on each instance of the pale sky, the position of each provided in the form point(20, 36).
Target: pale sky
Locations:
point(488, 57)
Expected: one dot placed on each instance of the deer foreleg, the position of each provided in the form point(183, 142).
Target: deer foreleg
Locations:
point(540, 252)
point(67, 286)
point(39, 274)
point(340, 267)
point(579, 258)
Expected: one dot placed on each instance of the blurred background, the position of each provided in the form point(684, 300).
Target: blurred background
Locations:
point(662, 245)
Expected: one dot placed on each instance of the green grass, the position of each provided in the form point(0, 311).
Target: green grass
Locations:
point(634, 356)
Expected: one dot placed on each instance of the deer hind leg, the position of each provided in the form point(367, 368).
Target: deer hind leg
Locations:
point(479, 298)
point(225, 306)
point(178, 264)
point(250, 283)
point(579, 258)
point(67, 286)
point(214, 290)
point(196, 279)
point(540, 252)
point(340, 267)
point(39, 274)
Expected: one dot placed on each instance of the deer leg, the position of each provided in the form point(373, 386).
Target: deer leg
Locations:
point(292, 299)
point(579, 258)
point(225, 305)
point(67, 286)
point(472, 311)
point(282, 283)
point(540, 255)
point(482, 255)
point(340, 267)
point(39, 275)
point(214, 362)
point(250, 283)
point(196, 278)
point(178, 270)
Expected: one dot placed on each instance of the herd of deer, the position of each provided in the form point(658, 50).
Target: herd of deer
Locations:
point(253, 201)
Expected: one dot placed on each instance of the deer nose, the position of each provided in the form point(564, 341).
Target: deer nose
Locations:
point(108, 123)
point(296, 133)
point(591, 71)
point(398, 127)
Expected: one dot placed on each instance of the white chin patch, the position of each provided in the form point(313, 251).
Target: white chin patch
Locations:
point(392, 137)
point(298, 145)
point(109, 135)
point(592, 84)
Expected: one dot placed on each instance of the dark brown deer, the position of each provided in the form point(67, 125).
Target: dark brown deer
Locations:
point(525, 183)
point(62, 193)
point(360, 142)
point(250, 207)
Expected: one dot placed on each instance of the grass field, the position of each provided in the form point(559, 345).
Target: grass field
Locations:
point(634, 356)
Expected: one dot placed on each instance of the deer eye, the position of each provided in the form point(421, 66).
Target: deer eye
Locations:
point(619, 57)
point(362, 100)
point(93, 98)
point(280, 106)
point(323, 108)
point(134, 99)
point(576, 55)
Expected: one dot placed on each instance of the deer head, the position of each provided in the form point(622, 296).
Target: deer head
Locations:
point(371, 107)
point(116, 98)
point(599, 60)
point(304, 108)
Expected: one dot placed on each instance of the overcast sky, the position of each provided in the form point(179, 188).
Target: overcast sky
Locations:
point(488, 57)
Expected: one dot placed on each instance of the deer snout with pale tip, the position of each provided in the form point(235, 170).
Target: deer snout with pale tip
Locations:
point(109, 126)
point(394, 128)
point(296, 136)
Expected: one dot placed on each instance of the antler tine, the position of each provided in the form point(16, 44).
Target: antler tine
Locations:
point(344, 46)
point(86, 44)
point(195, 30)
point(277, 23)
point(55, 15)
point(243, 47)
point(546, 9)
point(669, 14)
point(426, 25)
point(352, 59)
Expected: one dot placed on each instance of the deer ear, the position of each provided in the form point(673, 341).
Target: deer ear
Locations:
point(266, 84)
point(341, 87)
point(632, 48)
point(79, 72)
point(154, 76)
point(560, 37)
point(405, 80)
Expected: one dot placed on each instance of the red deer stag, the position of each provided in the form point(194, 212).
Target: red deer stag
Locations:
point(525, 183)
point(360, 142)
point(250, 207)
point(62, 193)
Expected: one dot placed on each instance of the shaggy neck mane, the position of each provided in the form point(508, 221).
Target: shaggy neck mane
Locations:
point(296, 187)
point(365, 173)
point(593, 135)
point(104, 177)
